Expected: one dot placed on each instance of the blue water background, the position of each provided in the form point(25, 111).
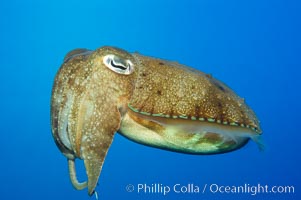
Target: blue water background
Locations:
point(253, 46)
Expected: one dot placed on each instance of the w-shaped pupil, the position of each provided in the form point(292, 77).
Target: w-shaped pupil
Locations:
point(117, 66)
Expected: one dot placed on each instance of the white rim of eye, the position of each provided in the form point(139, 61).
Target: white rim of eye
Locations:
point(118, 65)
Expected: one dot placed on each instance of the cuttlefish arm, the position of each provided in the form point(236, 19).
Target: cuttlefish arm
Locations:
point(86, 109)
point(97, 121)
point(99, 129)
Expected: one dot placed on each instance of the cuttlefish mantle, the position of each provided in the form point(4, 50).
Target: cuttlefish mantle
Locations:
point(151, 101)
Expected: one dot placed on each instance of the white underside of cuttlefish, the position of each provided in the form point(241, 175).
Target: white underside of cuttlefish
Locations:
point(185, 136)
point(151, 101)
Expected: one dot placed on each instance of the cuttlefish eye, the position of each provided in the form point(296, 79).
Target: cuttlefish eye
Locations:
point(118, 65)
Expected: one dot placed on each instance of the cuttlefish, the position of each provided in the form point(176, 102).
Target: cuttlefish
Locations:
point(151, 101)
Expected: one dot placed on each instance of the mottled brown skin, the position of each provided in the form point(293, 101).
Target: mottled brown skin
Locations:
point(90, 102)
point(178, 91)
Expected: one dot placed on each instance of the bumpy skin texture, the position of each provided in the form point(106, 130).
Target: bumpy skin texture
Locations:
point(90, 101)
point(176, 91)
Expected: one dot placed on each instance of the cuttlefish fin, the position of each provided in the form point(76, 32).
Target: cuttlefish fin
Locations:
point(101, 122)
point(259, 141)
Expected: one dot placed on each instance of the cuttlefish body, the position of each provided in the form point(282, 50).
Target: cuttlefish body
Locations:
point(151, 101)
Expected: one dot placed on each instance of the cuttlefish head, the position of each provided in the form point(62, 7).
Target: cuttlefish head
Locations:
point(89, 98)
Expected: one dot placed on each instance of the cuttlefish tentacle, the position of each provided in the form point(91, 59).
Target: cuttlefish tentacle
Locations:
point(100, 119)
point(97, 131)
point(96, 138)
point(72, 173)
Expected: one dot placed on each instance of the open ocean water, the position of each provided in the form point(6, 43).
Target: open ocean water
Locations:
point(252, 46)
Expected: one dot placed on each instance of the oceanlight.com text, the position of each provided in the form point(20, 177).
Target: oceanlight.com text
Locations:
point(250, 189)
